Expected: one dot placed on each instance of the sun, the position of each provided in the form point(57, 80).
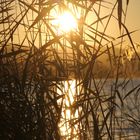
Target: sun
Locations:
point(65, 22)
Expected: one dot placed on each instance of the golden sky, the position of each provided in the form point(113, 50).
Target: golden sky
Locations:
point(133, 18)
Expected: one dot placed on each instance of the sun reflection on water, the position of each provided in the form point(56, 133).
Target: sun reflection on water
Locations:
point(67, 125)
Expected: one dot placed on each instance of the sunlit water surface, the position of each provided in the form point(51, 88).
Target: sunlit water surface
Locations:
point(131, 106)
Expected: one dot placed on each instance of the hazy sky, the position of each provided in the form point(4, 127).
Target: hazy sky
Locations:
point(133, 18)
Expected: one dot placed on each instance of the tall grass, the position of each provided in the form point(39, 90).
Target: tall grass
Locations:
point(36, 62)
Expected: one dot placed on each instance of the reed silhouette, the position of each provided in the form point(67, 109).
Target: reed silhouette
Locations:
point(38, 64)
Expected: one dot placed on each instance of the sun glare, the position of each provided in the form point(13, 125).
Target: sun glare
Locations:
point(65, 22)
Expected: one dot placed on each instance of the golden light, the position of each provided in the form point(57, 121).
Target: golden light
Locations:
point(67, 114)
point(65, 22)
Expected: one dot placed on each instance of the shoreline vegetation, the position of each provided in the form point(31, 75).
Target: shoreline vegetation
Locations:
point(55, 81)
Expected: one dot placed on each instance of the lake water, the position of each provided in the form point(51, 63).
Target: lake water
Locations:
point(126, 93)
point(129, 92)
point(128, 107)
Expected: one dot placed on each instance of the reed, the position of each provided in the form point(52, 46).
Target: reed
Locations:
point(71, 85)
